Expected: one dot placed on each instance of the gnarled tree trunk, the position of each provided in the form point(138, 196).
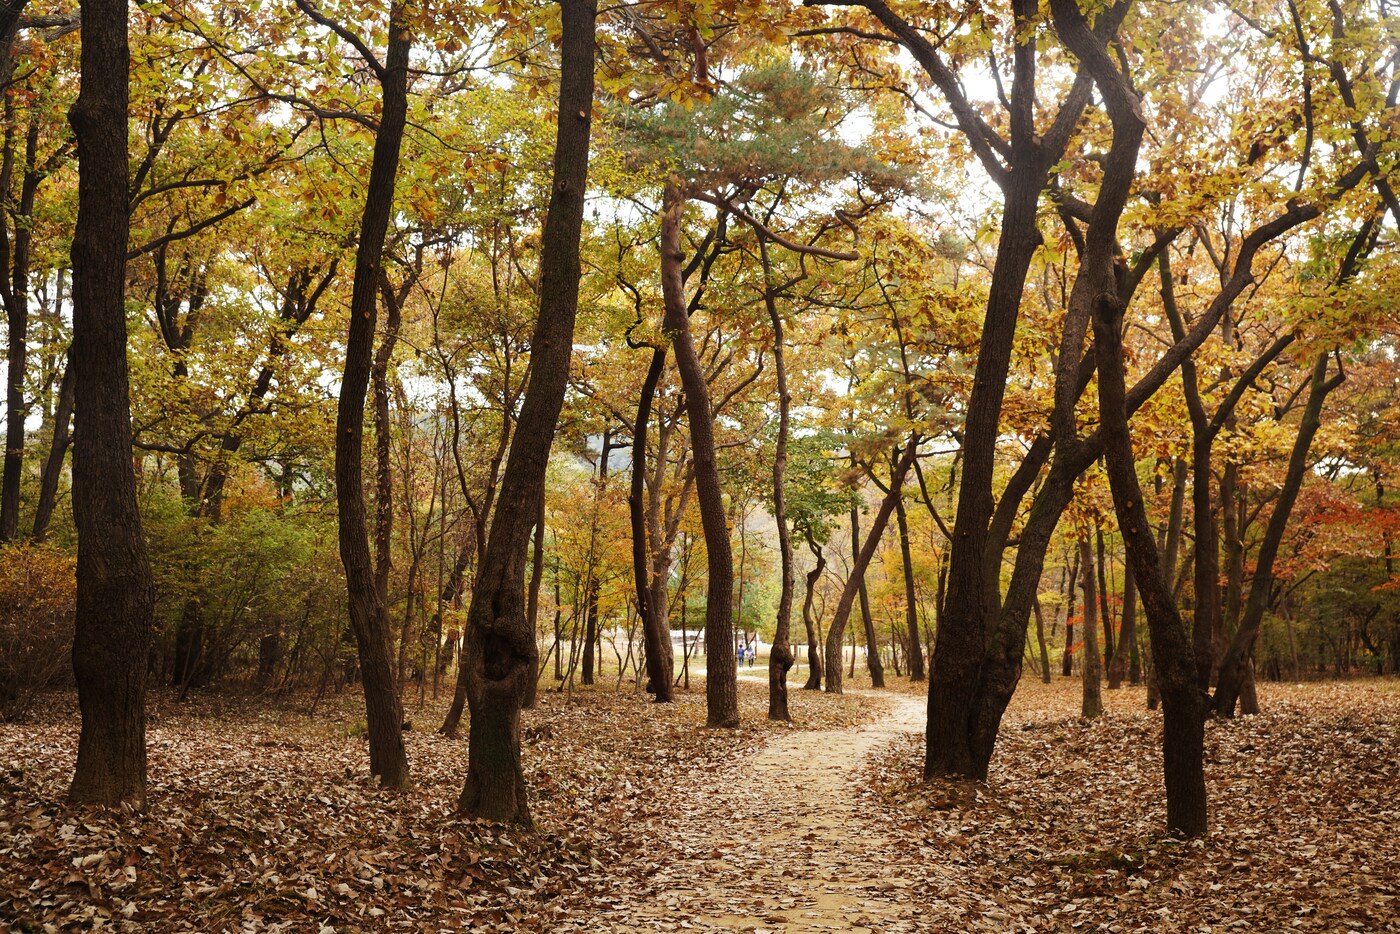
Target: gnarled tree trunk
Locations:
point(500, 654)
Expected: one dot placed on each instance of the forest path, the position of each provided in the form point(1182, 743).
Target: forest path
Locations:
point(775, 843)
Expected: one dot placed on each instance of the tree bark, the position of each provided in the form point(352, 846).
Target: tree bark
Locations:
point(115, 598)
point(721, 691)
point(872, 642)
point(814, 653)
point(369, 614)
point(1040, 637)
point(911, 603)
point(1091, 704)
point(53, 466)
point(780, 657)
point(500, 653)
point(16, 299)
point(1235, 664)
point(1127, 633)
point(656, 628)
point(837, 630)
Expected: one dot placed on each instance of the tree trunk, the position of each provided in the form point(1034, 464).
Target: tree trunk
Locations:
point(16, 300)
point(115, 598)
point(656, 627)
point(1234, 667)
point(780, 657)
point(532, 600)
point(369, 616)
point(862, 559)
point(53, 466)
point(1105, 612)
point(1127, 633)
point(1183, 703)
point(1040, 636)
point(814, 653)
point(911, 604)
point(872, 642)
point(1096, 290)
point(1091, 705)
point(500, 654)
point(721, 692)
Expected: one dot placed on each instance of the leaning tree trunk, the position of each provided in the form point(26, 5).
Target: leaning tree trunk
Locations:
point(656, 628)
point(1096, 288)
point(872, 644)
point(837, 630)
point(780, 657)
point(115, 598)
point(500, 653)
point(1234, 667)
point(721, 692)
point(911, 604)
point(58, 449)
point(369, 616)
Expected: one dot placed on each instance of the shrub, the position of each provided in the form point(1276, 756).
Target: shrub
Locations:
point(37, 593)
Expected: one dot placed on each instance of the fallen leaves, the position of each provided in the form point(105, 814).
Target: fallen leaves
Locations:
point(266, 820)
point(1068, 834)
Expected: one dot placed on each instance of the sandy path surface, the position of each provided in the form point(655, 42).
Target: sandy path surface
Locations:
point(775, 843)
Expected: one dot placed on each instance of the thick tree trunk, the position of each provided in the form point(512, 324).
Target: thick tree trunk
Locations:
point(1096, 290)
point(500, 654)
point(911, 604)
point(1091, 703)
point(656, 628)
point(872, 642)
point(721, 692)
point(861, 561)
point(780, 657)
point(115, 599)
point(369, 616)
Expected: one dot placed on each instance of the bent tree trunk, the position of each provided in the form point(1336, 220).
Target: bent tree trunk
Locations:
point(1096, 290)
point(872, 643)
point(500, 654)
point(656, 629)
point(115, 599)
point(837, 630)
point(721, 691)
point(780, 657)
point(369, 616)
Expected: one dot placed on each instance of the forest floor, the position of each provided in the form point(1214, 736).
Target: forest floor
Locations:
point(264, 819)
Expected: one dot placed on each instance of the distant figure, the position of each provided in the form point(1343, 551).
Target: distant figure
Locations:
point(753, 654)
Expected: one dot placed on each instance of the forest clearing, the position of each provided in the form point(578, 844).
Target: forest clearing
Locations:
point(786, 466)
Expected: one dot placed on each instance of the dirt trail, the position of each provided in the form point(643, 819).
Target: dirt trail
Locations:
point(775, 843)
